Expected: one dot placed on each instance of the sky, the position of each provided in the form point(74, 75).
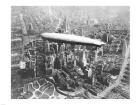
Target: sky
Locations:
point(96, 13)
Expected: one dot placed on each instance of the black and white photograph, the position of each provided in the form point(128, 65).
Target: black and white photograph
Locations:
point(70, 52)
